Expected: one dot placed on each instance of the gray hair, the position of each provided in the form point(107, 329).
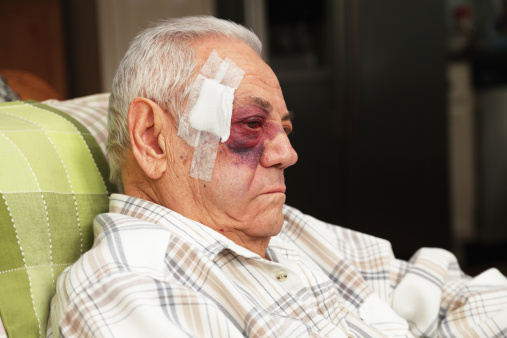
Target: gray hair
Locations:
point(160, 65)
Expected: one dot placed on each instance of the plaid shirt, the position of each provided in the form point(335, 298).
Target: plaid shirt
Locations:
point(154, 273)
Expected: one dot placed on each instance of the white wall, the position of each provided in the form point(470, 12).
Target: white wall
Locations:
point(120, 20)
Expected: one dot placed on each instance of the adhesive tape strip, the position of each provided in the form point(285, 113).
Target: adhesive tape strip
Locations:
point(207, 116)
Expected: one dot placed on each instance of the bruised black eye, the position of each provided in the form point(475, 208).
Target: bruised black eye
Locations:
point(254, 124)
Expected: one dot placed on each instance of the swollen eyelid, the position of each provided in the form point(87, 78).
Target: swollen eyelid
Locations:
point(254, 124)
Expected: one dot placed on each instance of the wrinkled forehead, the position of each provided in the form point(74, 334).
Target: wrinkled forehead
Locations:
point(258, 81)
point(239, 52)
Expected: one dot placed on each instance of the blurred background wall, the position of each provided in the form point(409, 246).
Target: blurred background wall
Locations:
point(401, 105)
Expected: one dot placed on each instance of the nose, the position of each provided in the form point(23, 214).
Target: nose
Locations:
point(278, 152)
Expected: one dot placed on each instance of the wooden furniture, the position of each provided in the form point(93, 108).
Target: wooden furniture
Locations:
point(29, 86)
point(32, 35)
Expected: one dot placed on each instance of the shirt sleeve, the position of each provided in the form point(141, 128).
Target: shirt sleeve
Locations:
point(438, 299)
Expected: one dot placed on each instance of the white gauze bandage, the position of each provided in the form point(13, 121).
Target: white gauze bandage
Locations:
point(207, 116)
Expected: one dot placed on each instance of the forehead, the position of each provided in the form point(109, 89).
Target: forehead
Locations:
point(236, 50)
point(259, 80)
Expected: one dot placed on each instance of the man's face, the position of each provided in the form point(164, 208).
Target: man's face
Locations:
point(247, 189)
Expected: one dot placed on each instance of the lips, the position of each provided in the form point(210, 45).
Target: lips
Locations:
point(276, 190)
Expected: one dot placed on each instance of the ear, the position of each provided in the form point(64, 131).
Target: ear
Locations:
point(145, 124)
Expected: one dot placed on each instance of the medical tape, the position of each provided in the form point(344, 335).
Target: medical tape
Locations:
point(216, 82)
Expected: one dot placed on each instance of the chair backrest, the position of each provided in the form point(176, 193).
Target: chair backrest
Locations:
point(29, 86)
point(53, 181)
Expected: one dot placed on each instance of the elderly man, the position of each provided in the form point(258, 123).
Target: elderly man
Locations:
point(201, 243)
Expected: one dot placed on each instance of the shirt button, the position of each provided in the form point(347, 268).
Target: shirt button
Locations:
point(281, 276)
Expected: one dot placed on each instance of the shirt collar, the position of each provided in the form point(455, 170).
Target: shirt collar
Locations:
point(284, 247)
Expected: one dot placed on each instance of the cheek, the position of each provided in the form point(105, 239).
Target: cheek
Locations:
point(245, 147)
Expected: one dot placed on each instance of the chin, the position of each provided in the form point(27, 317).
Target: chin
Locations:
point(273, 221)
point(268, 219)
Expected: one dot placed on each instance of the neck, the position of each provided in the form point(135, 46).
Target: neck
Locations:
point(190, 206)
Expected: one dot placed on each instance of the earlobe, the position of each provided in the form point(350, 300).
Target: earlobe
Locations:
point(145, 119)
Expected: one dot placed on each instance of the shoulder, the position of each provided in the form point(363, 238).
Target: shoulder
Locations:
point(302, 227)
point(353, 260)
point(122, 244)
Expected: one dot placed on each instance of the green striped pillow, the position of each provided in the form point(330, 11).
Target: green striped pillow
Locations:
point(53, 181)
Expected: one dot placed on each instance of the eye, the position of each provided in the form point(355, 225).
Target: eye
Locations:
point(254, 124)
point(287, 129)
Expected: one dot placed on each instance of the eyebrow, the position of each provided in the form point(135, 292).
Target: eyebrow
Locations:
point(289, 116)
point(262, 103)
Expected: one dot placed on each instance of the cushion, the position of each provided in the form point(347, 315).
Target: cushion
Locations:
point(90, 111)
point(53, 181)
